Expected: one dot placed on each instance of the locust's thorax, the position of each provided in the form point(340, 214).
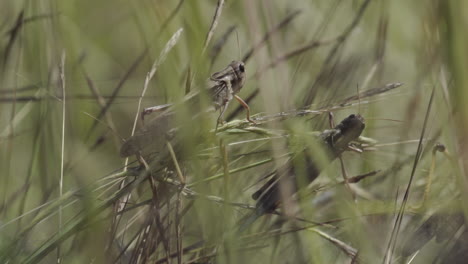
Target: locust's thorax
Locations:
point(233, 73)
point(348, 130)
point(239, 69)
point(227, 83)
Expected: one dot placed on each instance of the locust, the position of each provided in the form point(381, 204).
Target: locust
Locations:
point(224, 86)
point(333, 141)
point(228, 83)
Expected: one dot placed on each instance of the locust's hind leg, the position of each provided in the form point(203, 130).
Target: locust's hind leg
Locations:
point(246, 107)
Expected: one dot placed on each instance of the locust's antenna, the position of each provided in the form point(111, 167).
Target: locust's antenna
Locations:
point(238, 45)
point(359, 99)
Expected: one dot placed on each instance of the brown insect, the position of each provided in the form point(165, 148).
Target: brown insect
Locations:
point(228, 83)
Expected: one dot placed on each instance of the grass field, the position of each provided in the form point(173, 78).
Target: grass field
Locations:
point(75, 76)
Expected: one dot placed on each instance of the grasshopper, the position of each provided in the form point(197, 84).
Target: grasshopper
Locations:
point(225, 86)
point(228, 83)
point(334, 141)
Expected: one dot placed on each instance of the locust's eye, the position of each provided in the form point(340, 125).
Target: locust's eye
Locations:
point(241, 67)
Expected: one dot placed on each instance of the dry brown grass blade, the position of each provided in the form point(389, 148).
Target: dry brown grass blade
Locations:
point(310, 95)
point(25, 88)
point(313, 45)
point(13, 32)
point(179, 228)
point(284, 22)
point(347, 249)
point(372, 92)
point(102, 103)
point(172, 15)
point(214, 24)
point(219, 44)
point(116, 91)
point(62, 160)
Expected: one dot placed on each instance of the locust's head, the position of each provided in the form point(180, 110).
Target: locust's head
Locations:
point(238, 68)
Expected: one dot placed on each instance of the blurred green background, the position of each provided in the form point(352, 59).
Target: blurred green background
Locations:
point(311, 54)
